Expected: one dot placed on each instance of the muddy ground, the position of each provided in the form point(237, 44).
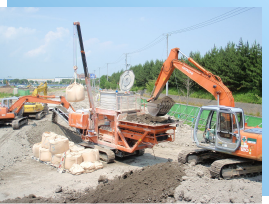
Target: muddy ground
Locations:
point(154, 177)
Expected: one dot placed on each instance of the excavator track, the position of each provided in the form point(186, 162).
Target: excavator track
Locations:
point(106, 154)
point(191, 155)
point(16, 124)
point(40, 115)
point(229, 168)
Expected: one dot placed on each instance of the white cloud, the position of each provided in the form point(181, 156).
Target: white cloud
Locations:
point(106, 44)
point(49, 38)
point(88, 53)
point(40, 50)
point(31, 9)
point(12, 32)
point(59, 34)
point(92, 41)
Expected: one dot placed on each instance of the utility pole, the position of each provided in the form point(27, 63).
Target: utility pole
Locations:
point(107, 71)
point(94, 79)
point(126, 65)
point(99, 77)
point(167, 57)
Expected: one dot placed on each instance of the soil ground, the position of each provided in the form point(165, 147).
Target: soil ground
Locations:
point(154, 177)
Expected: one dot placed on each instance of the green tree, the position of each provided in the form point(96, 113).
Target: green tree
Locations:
point(107, 85)
point(103, 81)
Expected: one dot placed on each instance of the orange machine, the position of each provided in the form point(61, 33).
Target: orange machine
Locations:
point(225, 130)
point(13, 113)
point(106, 128)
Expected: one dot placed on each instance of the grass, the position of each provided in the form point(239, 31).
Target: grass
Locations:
point(248, 97)
point(6, 95)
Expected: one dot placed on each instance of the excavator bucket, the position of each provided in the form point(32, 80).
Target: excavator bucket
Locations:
point(160, 107)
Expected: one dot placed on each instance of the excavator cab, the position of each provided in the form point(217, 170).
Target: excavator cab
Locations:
point(218, 128)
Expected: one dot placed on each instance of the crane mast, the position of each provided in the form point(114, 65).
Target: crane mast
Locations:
point(86, 73)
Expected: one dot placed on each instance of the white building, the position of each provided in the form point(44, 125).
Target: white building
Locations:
point(59, 79)
point(41, 80)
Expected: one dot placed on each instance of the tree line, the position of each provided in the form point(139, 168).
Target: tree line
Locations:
point(26, 82)
point(238, 65)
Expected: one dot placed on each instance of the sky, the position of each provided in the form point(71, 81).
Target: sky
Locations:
point(37, 42)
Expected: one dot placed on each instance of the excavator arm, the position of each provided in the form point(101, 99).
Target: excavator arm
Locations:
point(16, 107)
point(41, 88)
point(204, 78)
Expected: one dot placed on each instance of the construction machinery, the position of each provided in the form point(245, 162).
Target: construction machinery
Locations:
point(225, 138)
point(37, 110)
point(106, 126)
point(11, 110)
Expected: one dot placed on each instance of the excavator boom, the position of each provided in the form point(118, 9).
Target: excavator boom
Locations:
point(213, 84)
point(16, 107)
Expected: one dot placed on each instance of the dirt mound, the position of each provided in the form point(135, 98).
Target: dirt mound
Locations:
point(148, 119)
point(6, 89)
point(150, 184)
point(28, 199)
point(35, 134)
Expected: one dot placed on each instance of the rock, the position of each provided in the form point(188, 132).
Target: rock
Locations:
point(187, 197)
point(192, 163)
point(184, 178)
point(200, 174)
point(205, 199)
point(181, 195)
point(103, 179)
point(31, 196)
point(232, 200)
point(246, 200)
point(59, 189)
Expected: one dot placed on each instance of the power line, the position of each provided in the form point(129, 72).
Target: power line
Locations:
point(209, 22)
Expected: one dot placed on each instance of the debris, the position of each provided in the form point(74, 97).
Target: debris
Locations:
point(205, 199)
point(59, 189)
point(103, 179)
point(200, 174)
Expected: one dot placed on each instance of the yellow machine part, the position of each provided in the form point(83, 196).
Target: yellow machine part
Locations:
point(36, 107)
point(33, 108)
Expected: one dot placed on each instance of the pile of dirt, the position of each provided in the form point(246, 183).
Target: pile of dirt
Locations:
point(35, 134)
point(28, 199)
point(150, 184)
point(198, 187)
point(148, 119)
point(6, 89)
point(17, 145)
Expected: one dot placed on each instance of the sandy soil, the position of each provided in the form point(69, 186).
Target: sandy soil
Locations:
point(156, 176)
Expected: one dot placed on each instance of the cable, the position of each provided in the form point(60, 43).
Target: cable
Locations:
point(211, 21)
point(117, 61)
point(208, 22)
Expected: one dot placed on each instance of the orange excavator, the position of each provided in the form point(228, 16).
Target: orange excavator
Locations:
point(220, 130)
point(13, 113)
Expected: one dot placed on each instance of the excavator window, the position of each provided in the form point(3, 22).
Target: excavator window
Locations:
point(210, 128)
point(225, 125)
point(239, 116)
